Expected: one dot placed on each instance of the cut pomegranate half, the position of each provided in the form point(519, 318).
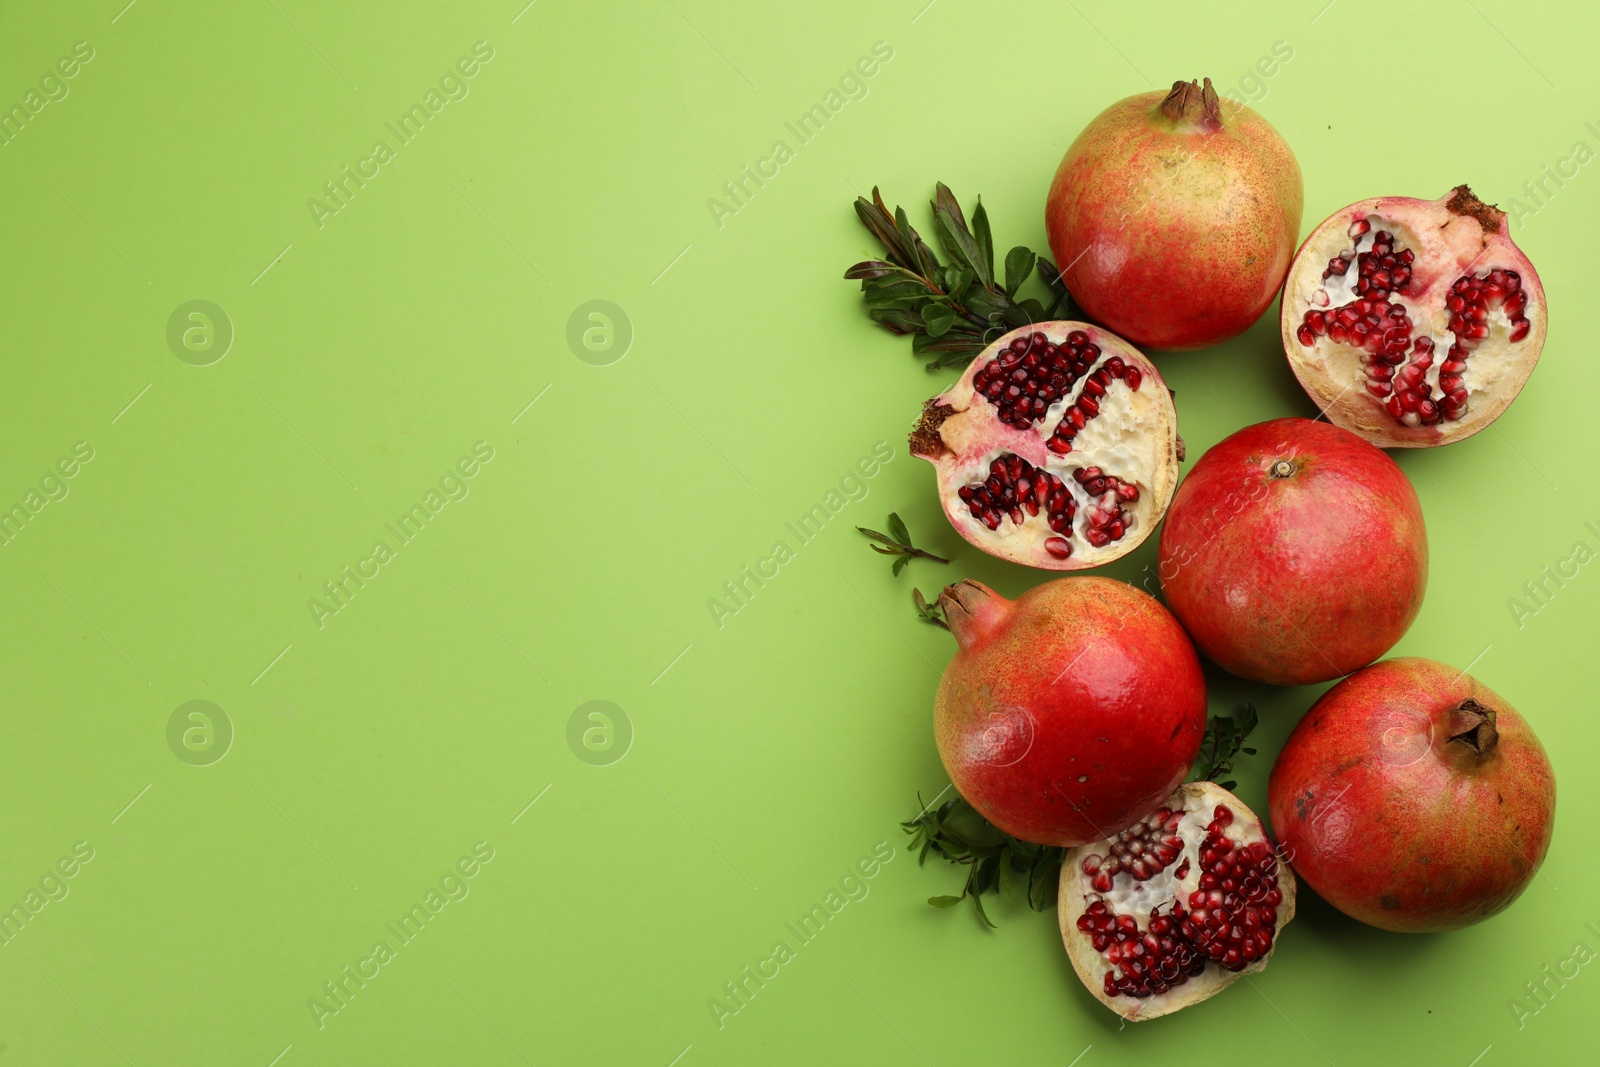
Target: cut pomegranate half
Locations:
point(1413, 322)
point(1058, 448)
point(1177, 907)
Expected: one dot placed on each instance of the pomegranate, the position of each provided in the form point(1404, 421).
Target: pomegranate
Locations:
point(1177, 907)
point(1068, 714)
point(1294, 552)
point(1174, 215)
point(1413, 798)
point(1057, 448)
point(1413, 322)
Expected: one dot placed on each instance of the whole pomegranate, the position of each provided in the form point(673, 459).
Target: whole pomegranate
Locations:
point(1177, 907)
point(1057, 448)
point(1414, 798)
point(1413, 322)
point(1068, 714)
point(1173, 217)
point(1294, 552)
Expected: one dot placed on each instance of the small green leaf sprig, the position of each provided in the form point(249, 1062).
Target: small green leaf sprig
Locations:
point(994, 859)
point(1223, 741)
point(932, 614)
point(897, 542)
point(951, 311)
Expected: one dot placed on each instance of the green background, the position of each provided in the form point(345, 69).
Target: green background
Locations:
point(768, 755)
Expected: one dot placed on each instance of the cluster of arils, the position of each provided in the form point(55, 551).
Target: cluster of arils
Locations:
point(1015, 489)
point(1032, 373)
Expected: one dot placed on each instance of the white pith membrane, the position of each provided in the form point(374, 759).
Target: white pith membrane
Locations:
point(1109, 462)
point(1190, 919)
point(1454, 271)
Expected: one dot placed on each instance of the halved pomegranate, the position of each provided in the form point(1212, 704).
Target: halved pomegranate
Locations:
point(1413, 322)
point(1058, 448)
point(1177, 907)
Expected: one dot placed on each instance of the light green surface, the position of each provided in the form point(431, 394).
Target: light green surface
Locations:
point(769, 755)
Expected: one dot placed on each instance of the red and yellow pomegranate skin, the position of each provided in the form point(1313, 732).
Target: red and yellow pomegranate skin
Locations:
point(1069, 714)
point(1174, 215)
point(1395, 819)
point(1294, 552)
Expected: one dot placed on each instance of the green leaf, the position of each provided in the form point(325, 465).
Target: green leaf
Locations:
point(944, 199)
point(1015, 315)
point(1019, 264)
point(977, 902)
point(899, 564)
point(985, 303)
point(897, 320)
point(960, 283)
point(957, 241)
point(985, 242)
point(908, 237)
point(895, 287)
point(938, 319)
point(964, 344)
point(898, 529)
point(870, 268)
point(877, 221)
point(944, 901)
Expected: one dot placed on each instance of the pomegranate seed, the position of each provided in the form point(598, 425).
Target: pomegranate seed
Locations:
point(1519, 329)
point(1060, 548)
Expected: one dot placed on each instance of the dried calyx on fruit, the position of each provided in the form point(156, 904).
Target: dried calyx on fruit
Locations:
point(1177, 907)
point(1413, 322)
point(1058, 447)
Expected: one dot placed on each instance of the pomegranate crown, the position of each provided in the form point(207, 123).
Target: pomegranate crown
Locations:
point(1190, 102)
point(1472, 725)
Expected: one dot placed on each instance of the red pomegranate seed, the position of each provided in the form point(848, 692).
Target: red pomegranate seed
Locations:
point(1016, 488)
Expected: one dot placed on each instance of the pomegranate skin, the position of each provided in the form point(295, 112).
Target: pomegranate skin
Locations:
point(1069, 714)
point(1294, 552)
point(1174, 220)
point(1395, 823)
